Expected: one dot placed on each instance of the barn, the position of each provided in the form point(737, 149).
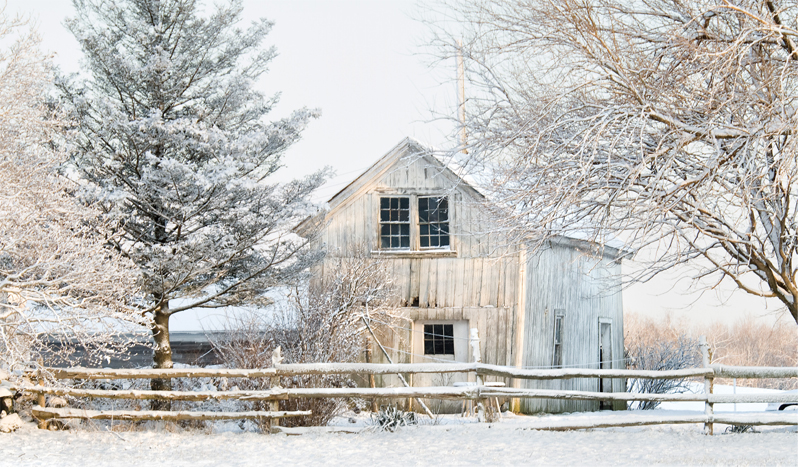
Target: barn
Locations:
point(558, 306)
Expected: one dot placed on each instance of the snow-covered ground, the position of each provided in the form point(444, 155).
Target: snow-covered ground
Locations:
point(450, 441)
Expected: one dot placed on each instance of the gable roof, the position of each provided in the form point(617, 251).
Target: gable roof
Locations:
point(409, 150)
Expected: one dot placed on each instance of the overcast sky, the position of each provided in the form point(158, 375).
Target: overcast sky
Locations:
point(362, 64)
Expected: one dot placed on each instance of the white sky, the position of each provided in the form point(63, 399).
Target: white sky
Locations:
point(361, 63)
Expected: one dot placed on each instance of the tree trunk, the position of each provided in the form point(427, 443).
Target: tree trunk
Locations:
point(162, 354)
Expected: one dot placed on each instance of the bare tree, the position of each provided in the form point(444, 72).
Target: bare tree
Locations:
point(321, 323)
point(671, 124)
point(57, 278)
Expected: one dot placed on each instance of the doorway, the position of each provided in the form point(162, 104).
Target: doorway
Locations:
point(606, 359)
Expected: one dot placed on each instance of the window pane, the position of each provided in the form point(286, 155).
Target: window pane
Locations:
point(438, 339)
point(433, 223)
point(394, 220)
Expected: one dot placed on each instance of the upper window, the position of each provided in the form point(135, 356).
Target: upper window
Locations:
point(395, 223)
point(434, 231)
point(402, 228)
point(439, 339)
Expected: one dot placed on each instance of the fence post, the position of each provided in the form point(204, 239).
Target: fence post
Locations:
point(475, 342)
point(708, 386)
point(40, 399)
point(274, 383)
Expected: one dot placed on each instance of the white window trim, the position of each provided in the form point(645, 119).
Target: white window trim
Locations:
point(414, 248)
point(558, 313)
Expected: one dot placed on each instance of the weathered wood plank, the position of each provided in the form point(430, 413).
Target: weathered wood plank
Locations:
point(424, 282)
point(725, 371)
point(149, 373)
point(48, 413)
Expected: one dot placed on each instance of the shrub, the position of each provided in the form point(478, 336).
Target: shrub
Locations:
point(657, 346)
point(319, 324)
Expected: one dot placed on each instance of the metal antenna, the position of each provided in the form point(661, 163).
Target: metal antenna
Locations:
point(462, 111)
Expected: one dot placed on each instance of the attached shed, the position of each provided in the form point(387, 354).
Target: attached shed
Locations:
point(560, 306)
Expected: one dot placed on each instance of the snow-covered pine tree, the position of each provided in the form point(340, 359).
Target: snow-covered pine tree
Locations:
point(172, 139)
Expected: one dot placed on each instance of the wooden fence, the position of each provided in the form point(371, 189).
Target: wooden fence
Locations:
point(477, 392)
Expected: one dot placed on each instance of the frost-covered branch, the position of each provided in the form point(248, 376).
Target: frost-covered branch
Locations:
point(59, 280)
point(669, 125)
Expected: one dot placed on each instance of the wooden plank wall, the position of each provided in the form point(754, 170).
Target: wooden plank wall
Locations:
point(479, 282)
point(565, 278)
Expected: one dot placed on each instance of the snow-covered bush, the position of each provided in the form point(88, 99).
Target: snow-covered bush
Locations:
point(660, 347)
point(320, 323)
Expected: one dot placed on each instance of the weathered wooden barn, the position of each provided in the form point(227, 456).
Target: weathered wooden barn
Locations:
point(560, 306)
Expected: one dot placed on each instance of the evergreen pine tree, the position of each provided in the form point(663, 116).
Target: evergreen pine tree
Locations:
point(171, 139)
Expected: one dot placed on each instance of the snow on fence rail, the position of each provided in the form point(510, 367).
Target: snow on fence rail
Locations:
point(379, 369)
point(477, 392)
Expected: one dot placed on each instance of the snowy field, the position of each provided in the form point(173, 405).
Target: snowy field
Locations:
point(452, 441)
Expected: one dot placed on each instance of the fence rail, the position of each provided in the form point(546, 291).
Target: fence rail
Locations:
point(432, 392)
point(298, 369)
point(478, 392)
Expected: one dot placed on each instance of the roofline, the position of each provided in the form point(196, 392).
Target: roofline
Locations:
point(582, 243)
point(407, 141)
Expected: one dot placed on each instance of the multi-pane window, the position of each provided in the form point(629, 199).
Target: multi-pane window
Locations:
point(558, 329)
point(395, 223)
point(434, 230)
point(439, 339)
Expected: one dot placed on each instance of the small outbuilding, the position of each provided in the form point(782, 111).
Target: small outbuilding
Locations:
point(559, 306)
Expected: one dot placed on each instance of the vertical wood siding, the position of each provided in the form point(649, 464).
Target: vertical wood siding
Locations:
point(480, 284)
point(586, 289)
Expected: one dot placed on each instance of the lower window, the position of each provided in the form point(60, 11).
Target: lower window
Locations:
point(439, 339)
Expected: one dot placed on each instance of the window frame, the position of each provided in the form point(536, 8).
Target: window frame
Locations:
point(398, 222)
point(420, 224)
point(558, 339)
point(414, 247)
point(444, 338)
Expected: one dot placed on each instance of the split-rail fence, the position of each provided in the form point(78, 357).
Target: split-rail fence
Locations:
point(478, 392)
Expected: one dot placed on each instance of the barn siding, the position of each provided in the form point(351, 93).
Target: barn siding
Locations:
point(563, 277)
point(511, 304)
